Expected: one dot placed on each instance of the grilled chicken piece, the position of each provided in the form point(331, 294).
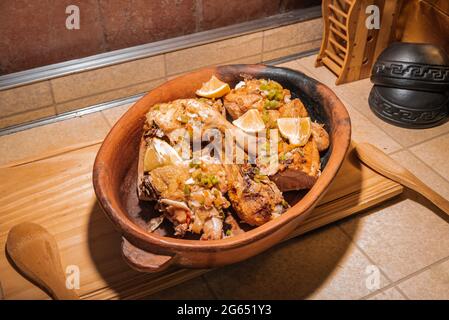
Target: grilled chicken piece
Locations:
point(238, 102)
point(191, 197)
point(320, 136)
point(299, 168)
point(178, 213)
point(255, 202)
point(292, 109)
point(183, 116)
point(253, 95)
point(168, 181)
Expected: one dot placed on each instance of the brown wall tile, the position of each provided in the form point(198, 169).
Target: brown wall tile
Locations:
point(44, 139)
point(214, 53)
point(293, 34)
point(222, 13)
point(130, 23)
point(27, 116)
point(21, 99)
point(33, 33)
point(279, 53)
point(118, 76)
point(107, 96)
point(287, 5)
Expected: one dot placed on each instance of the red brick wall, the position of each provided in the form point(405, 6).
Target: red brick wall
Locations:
point(33, 33)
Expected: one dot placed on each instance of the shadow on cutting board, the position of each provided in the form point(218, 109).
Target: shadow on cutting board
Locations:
point(294, 269)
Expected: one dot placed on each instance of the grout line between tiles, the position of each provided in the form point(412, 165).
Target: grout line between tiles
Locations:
point(351, 240)
point(290, 46)
point(110, 125)
point(338, 92)
point(263, 43)
point(164, 57)
point(107, 91)
point(428, 166)
point(397, 151)
point(52, 93)
point(422, 161)
point(427, 140)
point(409, 276)
point(26, 111)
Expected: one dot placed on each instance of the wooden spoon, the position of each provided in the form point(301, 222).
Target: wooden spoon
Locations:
point(35, 253)
point(386, 166)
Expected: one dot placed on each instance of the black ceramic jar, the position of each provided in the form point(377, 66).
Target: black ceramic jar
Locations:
point(409, 108)
point(411, 85)
point(417, 66)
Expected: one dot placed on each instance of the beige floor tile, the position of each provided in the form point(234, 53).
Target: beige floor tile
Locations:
point(195, 289)
point(388, 294)
point(358, 92)
point(291, 65)
point(321, 265)
point(423, 172)
point(321, 74)
point(108, 96)
point(364, 130)
point(433, 283)
point(24, 98)
point(214, 53)
point(435, 153)
point(401, 237)
point(107, 78)
point(35, 141)
point(293, 34)
point(27, 116)
point(113, 114)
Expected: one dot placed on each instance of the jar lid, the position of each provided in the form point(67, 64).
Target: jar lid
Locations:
point(417, 66)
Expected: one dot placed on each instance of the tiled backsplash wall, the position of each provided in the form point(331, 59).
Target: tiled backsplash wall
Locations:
point(79, 90)
point(41, 37)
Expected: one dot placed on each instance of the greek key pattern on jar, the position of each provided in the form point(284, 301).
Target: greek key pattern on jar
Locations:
point(412, 71)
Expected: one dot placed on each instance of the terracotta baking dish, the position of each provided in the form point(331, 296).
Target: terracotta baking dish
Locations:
point(115, 169)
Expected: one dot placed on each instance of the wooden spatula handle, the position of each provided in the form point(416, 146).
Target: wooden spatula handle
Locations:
point(382, 163)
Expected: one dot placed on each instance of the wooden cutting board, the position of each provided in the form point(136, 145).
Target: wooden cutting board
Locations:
point(55, 190)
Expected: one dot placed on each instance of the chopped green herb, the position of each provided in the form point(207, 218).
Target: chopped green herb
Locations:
point(207, 181)
point(187, 190)
point(183, 118)
point(194, 165)
point(271, 104)
point(229, 232)
point(279, 96)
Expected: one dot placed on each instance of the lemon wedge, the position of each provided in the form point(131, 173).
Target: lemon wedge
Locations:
point(159, 153)
point(296, 130)
point(250, 121)
point(214, 88)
